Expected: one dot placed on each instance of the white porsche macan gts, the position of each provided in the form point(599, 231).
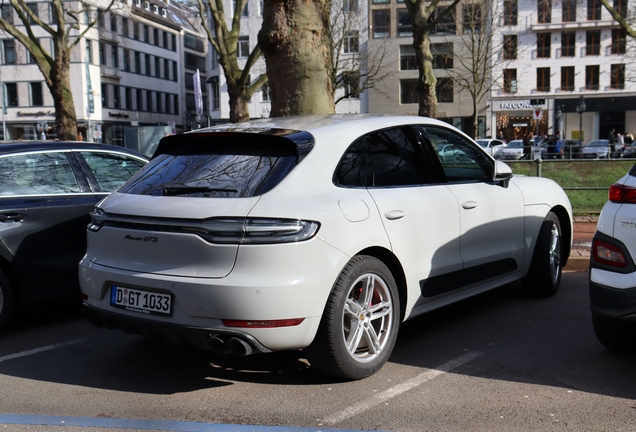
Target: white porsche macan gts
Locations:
point(320, 233)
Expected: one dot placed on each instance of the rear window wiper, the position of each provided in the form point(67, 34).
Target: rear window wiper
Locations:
point(186, 190)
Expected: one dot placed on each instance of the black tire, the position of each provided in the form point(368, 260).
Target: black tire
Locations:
point(6, 299)
point(615, 334)
point(544, 276)
point(359, 326)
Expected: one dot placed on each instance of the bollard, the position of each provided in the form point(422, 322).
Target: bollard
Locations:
point(538, 167)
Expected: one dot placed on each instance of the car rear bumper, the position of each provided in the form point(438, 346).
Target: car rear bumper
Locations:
point(617, 303)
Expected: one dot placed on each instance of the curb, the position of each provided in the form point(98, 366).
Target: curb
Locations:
point(578, 264)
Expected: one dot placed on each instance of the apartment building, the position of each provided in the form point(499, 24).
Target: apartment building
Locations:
point(391, 30)
point(133, 69)
point(563, 70)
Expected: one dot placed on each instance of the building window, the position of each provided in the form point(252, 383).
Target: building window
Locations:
point(157, 67)
point(621, 7)
point(568, 11)
point(568, 43)
point(9, 51)
point(265, 93)
point(166, 69)
point(100, 18)
point(472, 18)
point(593, 42)
point(52, 14)
point(245, 12)
point(543, 45)
point(175, 103)
point(619, 41)
point(510, 47)
point(11, 94)
point(617, 78)
point(105, 96)
point(543, 79)
point(348, 6)
point(137, 62)
point(216, 102)
point(36, 94)
point(124, 27)
point(442, 55)
point(351, 42)
point(114, 56)
point(89, 51)
point(407, 58)
point(381, 23)
point(116, 96)
point(155, 36)
point(243, 46)
point(173, 47)
point(510, 12)
point(146, 34)
point(593, 10)
point(591, 77)
point(149, 104)
point(135, 27)
point(7, 13)
point(102, 55)
point(126, 64)
point(447, 24)
point(175, 74)
point(196, 62)
point(408, 91)
point(444, 90)
point(381, 1)
point(113, 23)
point(165, 40)
point(544, 11)
point(404, 26)
point(127, 103)
point(567, 78)
point(510, 81)
point(148, 64)
point(351, 84)
point(139, 100)
point(191, 41)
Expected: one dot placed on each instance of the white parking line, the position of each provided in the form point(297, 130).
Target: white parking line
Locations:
point(42, 349)
point(401, 388)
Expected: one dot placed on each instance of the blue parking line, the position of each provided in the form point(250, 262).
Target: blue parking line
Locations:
point(155, 425)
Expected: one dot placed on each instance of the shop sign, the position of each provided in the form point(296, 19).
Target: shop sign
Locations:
point(117, 115)
point(36, 114)
point(520, 125)
point(515, 105)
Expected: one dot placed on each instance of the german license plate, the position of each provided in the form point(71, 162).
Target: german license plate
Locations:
point(140, 301)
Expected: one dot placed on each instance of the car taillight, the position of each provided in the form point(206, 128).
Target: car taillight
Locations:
point(254, 230)
point(622, 194)
point(608, 254)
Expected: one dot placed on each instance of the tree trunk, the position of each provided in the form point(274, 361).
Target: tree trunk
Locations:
point(424, 58)
point(59, 85)
point(239, 111)
point(293, 41)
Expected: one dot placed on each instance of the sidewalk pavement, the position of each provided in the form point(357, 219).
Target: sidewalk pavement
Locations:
point(584, 228)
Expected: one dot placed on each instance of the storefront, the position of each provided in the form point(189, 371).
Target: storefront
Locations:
point(515, 118)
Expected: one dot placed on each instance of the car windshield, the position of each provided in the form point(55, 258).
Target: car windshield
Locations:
point(515, 144)
point(483, 143)
point(598, 144)
point(228, 166)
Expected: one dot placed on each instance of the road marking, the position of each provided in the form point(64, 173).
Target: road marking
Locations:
point(156, 425)
point(42, 349)
point(401, 388)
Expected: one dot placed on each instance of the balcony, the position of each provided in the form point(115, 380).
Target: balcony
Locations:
point(110, 72)
point(579, 25)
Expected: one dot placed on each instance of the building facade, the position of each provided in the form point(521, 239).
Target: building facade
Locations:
point(563, 70)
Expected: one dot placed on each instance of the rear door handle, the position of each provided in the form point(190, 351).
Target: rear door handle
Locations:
point(394, 214)
point(469, 204)
point(11, 217)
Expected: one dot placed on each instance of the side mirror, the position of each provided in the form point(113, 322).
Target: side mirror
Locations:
point(503, 173)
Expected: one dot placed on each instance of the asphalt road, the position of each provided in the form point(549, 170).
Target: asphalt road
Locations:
point(498, 362)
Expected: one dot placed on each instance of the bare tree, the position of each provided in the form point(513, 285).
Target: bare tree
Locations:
point(477, 54)
point(621, 16)
point(294, 40)
point(354, 68)
point(428, 16)
point(225, 41)
point(70, 21)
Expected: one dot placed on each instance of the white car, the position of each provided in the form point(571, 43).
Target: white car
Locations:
point(320, 233)
point(612, 268)
point(597, 149)
point(492, 146)
point(512, 151)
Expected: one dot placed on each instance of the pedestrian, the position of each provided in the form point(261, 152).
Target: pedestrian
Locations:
point(527, 147)
point(558, 148)
point(551, 147)
point(629, 138)
point(611, 137)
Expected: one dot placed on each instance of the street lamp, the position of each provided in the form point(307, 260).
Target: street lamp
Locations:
point(580, 108)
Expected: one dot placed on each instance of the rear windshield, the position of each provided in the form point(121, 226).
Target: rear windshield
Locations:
point(227, 166)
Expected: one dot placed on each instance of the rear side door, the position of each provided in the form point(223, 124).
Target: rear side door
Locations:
point(44, 206)
point(491, 214)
